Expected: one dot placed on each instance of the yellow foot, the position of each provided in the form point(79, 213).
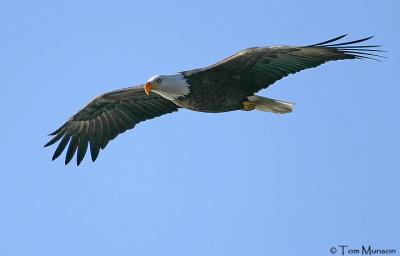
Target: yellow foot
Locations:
point(248, 105)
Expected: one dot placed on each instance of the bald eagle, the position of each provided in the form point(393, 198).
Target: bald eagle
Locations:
point(228, 85)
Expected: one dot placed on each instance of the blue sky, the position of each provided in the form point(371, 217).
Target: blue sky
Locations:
point(239, 183)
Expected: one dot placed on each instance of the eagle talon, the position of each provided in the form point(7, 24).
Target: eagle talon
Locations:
point(249, 105)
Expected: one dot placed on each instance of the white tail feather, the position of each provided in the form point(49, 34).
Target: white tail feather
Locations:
point(271, 105)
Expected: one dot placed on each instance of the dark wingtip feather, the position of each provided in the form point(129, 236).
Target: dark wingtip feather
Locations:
point(73, 145)
point(359, 49)
point(57, 131)
point(60, 148)
point(104, 143)
point(82, 148)
point(328, 41)
point(54, 139)
point(361, 46)
point(365, 57)
point(351, 49)
point(94, 149)
point(351, 42)
point(359, 53)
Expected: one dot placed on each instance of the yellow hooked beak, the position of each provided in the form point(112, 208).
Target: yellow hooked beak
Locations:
point(147, 88)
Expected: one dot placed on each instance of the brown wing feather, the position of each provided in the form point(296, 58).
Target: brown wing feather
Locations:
point(256, 68)
point(104, 118)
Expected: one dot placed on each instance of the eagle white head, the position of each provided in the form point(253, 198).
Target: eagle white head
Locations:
point(169, 86)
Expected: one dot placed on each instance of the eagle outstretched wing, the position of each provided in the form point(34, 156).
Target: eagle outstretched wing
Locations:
point(104, 118)
point(256, 68)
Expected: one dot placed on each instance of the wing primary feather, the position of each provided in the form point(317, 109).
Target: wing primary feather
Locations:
point(365, 53)
point(60, 148)
point(106, 131)
point(359, 46)
point(58, 130)
point(54, 139)
point(94, 149)
point(365, 57)
point(328, 41)
point(73, 145)
point(351, 42)
point(104, 143)
point(95, 139)
point(82, 148)
point(361, 50)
